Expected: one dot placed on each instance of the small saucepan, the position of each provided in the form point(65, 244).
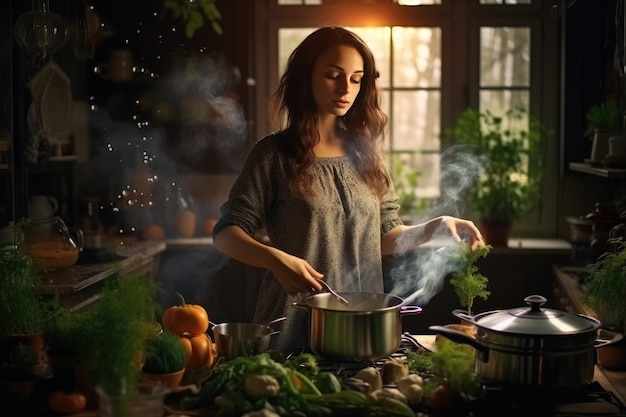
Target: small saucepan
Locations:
point(367, 327)
point(242, 339)
point(532, 346)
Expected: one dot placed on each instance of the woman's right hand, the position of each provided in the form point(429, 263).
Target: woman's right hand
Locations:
point(295, 274)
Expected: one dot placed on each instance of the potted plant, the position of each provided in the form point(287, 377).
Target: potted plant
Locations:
point(605, 292)
point(113, 343)
point(603, 121)
point(165, 359)
point(507, 149)
point(22, 310)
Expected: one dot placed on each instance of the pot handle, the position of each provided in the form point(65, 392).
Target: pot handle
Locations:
point(603, 342)
point(459, 337)
point(410, 310)
point(462, 314)
point(300, 306)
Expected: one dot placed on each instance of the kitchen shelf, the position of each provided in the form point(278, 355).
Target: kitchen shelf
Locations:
point(600, 171)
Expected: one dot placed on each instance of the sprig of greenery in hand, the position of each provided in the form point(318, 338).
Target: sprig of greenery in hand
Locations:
point(468, 283)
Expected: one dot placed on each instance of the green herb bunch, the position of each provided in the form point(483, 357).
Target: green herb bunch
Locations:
point(606, 285)
point(468, 283)
point(453, 365)
point(115, 335)
point(606, 115)
point(64, 331)
point(22, 311)
point(164, 354)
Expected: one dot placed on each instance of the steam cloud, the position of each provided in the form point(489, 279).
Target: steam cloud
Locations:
point(420, 273)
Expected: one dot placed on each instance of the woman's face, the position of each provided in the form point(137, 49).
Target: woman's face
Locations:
point(336, 80)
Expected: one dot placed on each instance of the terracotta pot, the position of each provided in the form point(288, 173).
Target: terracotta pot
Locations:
point(171, 380)
point(496, 234)
point(612, 356)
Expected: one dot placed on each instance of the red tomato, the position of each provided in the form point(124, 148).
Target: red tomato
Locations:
point(67, 403)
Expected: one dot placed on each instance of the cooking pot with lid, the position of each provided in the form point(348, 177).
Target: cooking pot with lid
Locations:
point(368, 327)
point(531, 345)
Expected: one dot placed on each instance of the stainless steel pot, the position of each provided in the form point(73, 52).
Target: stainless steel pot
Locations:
point(242, 339)
point(532, 346)
point(368, 327)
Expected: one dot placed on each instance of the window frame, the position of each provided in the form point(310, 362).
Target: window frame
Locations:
point(460, 22)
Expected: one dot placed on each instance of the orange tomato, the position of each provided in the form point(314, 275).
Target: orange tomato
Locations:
point(182, 319)
point(199, 349)
point(67, 403)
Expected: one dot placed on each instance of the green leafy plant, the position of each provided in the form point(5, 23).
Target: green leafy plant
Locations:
point(508, 186)
point(468, 283)
point(606, 115)
point(606, 285)
point(195, 14)
point(453, 366)
point(405, 181)
point(115, 335)
point(64, 331)
point(164, 354)
point(22, 310)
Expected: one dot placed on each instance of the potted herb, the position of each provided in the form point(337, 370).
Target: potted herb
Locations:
point(468, 283)
point(605, 293)
point(507, 149)
point(603, 121)
point(114, 340)
point(604, 116)
point(22, 311)
point(165, 359)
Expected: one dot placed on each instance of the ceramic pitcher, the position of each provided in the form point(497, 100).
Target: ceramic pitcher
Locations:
point(42, 206)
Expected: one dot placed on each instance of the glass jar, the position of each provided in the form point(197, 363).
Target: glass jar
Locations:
point(50, 241)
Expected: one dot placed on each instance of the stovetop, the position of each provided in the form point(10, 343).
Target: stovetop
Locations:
point(499, 400)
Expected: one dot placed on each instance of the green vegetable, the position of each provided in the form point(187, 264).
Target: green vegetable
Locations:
point(468, 283)
point(228, 380)
point(346, 402)
point(327, 383)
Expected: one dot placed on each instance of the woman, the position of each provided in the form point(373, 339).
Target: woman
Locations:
point(320, 186)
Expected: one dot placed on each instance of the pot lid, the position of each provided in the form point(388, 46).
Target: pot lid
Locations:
point(534, 320)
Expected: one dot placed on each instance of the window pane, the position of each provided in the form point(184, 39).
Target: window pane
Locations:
point(505, 2)
point(416, 57)
point(297, 2)
point(377, 38)
point(288, 40)
point(499, 101)
point(417, 2)
point(416, 119)
point(505, 56)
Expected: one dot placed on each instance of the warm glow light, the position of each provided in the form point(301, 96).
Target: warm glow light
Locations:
point(409, 2)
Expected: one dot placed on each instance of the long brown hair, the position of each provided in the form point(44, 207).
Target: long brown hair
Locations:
point(365, 123)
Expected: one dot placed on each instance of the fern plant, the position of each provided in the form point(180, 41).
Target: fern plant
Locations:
point(468, 283)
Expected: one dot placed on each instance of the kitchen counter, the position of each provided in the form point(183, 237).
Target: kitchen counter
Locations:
point(79, 286)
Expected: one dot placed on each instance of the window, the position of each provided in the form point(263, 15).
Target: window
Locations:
point(436, 58)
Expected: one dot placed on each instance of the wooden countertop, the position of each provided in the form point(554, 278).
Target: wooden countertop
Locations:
point(80, 284)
